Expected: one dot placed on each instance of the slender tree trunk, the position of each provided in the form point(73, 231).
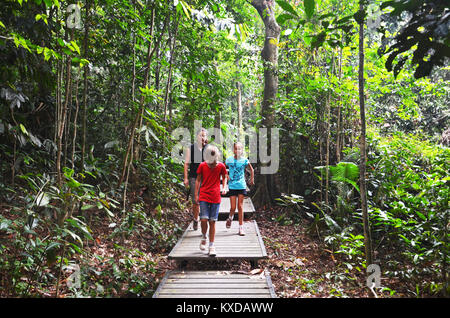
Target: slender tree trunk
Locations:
point(265, 191)
point(363, 159)
point(85, 83)
point(239, 98)
point(338, 120)
point(63, 117)
point(150, 53)
point(328, 126)
point(169, 76)
point(129, 152)
point(75, 125)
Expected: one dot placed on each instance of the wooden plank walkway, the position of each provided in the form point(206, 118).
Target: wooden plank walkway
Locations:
point(229, 245)
point(214, 284)
point(224, 209)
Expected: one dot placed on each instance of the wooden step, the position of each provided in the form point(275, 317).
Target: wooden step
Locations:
point(214, 284)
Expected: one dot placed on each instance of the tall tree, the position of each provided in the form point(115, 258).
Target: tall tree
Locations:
point(266, 189)
point(363, 151)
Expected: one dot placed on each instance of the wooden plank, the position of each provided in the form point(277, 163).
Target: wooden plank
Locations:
point(213, 284)
point(229, 245)
point(225, 206)
point(229, 291)
point(214, 296)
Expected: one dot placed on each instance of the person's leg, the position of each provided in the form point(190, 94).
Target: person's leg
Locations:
point(195, 205)
point(212, 231)
point(214, 214)
point(241, 214)
point(240, 209)
point(204, 216)
point(232, 209)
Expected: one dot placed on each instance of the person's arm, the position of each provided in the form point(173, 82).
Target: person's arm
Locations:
point(197, 186)
point(252, 174)
point(224, 181)
point(187, 161)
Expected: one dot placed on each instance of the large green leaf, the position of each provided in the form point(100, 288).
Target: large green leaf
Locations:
point(310, 6)
point(287, 7)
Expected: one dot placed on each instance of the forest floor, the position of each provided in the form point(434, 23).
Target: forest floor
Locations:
point(298, 263)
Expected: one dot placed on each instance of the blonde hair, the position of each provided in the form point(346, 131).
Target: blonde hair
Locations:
point(211, 154)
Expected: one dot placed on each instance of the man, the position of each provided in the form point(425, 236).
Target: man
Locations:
point(194, 156)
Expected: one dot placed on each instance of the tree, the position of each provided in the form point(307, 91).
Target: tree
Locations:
point(363, 151)
point(269, 56)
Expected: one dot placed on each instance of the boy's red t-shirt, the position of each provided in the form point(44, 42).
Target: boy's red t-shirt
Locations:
point(210, 188)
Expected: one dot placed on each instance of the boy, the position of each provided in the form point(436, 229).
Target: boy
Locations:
point(194, 156)
point(237, 185)
point(208, 174)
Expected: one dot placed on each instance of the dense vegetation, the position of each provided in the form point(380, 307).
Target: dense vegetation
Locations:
point(91, 91)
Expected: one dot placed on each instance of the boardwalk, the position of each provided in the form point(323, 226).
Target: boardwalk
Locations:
point(229, 245)
point(224, 209)
point(214, 284)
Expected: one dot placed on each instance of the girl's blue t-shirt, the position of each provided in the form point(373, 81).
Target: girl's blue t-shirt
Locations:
point(236, 172)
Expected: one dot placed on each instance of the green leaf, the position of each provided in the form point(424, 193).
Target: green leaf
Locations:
point(282, 18)
point(24, 130)
point(310, 6)
point(287, 7)
point(75, 46)
point(43, 199)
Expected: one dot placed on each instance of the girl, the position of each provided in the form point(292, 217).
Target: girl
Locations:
point(237, 185)
point(208, 175)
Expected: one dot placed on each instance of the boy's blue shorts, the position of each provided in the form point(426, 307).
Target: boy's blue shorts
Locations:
point(209, 210)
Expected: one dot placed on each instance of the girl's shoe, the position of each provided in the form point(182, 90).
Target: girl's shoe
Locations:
point(228, 224)
point(203, 244)
point(212, 251)
point(241, 231)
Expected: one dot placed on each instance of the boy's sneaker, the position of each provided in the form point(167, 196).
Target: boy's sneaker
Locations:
point(228, 224)
point(203, 244)
point(241, 231)
point(212, 251)
point(195, 225)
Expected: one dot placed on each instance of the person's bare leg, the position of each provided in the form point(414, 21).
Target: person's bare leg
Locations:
point(240, 209)
point(212, 234)
point(232, 206)
point(212, 231)
point(204, 226)
point(196, 210)
point(232, 209)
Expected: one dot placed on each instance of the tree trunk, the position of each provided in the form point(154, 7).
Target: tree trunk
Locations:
point(85, 88)
point(129, 152)
point(63, 116)
point(238, 98)
point(169, 76)
point(265, 192)
point(338, 120)
point(363, 159)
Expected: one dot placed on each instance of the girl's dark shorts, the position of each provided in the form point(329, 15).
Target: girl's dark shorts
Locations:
point(233, 193)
